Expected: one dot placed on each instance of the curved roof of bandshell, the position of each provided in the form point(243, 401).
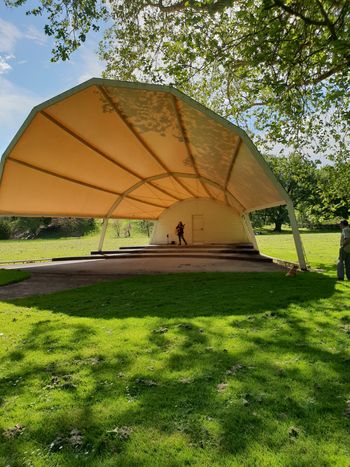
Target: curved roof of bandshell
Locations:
point(116, 149)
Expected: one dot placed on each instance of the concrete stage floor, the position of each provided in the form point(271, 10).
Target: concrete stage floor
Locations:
point(52, 277)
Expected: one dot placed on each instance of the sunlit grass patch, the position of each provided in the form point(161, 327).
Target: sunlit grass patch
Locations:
point(24, 250)
point(321, 249)
point(187, 369)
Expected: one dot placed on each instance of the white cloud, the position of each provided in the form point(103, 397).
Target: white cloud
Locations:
point(4, 65)
point(9, 35)
point(15, 101)
point(15, 104)
point(89, 64)
point(33, 34)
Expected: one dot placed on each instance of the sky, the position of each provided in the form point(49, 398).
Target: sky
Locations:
point(27, 76)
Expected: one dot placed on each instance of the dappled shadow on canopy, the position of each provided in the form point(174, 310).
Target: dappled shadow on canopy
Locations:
point(228, 381)
point(115, 149)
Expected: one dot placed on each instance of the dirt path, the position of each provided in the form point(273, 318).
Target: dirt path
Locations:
point(45, 283)
point(53, 277)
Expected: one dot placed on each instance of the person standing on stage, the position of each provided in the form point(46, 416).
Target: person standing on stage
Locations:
point(180, 232)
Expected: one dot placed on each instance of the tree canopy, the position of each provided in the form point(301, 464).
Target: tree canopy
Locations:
point(319, 193)
point(280, 67)
point(68, 21)
point(299, 177)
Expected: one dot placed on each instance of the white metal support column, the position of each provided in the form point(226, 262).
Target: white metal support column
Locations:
point(103, 233)
point(297, 238)
point(249, 228)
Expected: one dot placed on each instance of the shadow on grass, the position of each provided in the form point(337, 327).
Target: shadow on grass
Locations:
point(186, 295)
point(11, 276)
point(327, 268)
point(232, 375)
point(258, 402)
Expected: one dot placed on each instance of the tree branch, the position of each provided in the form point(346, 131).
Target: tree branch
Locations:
point(293, 12)
point(327, 74)
point(182, 5)
point(170, 8)
point(329, 23)
point(342, 14)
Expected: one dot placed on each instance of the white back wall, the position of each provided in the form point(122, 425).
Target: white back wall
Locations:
point(206, 221)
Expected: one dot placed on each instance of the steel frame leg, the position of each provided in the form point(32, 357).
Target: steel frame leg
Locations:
point(297, 238)
point(103, 233)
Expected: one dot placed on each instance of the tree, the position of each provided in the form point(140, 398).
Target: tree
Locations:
point(298, 175)
point(279, 65)
point(117, 227)
point(334, 191)
point(68, 21)
point(146, 227)
point(340, 173)
point(282, 66)
point(127, 230)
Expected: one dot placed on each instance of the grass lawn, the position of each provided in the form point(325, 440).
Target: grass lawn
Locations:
point(10, 276)
point(17, 250)
point(321, 249)
point(226, 369)
point(221, 369)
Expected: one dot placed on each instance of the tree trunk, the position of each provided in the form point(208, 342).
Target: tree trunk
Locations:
point(278, 225)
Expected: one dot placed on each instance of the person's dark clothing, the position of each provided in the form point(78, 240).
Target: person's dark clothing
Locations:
point(344, 254)
point(180, 232)
point(344, 258)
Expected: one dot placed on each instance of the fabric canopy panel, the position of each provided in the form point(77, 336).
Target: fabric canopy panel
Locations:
point(127, 150)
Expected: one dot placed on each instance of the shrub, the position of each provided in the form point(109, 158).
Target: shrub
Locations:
point(5, 229)
point(68, 227)
point(28, 227)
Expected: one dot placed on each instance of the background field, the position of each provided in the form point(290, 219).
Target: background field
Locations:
point(321, 248)
point(49, 248)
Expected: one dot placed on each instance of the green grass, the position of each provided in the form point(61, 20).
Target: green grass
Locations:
point(321, 249)
point(187, 369)
point(9, 276)
point(223, 369)
point(18, 250)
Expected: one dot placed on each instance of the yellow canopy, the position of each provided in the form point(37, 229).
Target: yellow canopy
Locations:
point(128, 150)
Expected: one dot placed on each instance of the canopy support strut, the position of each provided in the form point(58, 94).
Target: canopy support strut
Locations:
point(249, 229)
point(103, 233)
point(297, 238)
